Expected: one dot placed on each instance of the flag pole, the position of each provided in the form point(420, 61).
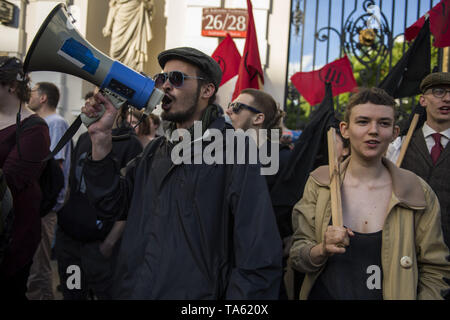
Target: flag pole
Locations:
point(445, 59)
point(335, 179)
point(260, 83)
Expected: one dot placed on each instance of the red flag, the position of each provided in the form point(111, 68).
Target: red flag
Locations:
point(311, 85)
point(412, 32)
point(439, 25)
point(228, 57)
point(250, 67)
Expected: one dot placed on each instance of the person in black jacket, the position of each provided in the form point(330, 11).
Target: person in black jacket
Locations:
point(82, 239)
point(195, 230)
point(255, 111)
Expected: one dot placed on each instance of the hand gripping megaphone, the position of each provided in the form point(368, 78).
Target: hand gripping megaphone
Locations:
point(59, 47)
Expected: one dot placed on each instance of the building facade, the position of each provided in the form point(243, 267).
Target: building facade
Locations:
point(174, 23)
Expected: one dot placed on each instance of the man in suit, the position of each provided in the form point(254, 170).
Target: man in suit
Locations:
point(428, 154)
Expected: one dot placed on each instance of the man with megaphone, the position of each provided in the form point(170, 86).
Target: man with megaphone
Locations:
point(194, 231)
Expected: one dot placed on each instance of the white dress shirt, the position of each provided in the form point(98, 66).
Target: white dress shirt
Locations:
point(427, 133)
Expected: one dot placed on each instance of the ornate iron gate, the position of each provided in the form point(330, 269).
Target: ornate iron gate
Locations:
point(369, 32)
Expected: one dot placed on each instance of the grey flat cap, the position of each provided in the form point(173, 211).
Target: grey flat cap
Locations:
point(434, 79)
point(193, 56)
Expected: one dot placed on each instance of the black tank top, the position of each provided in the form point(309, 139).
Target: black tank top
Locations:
point(354, 275)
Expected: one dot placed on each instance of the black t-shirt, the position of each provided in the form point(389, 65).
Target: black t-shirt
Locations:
point(354, 275)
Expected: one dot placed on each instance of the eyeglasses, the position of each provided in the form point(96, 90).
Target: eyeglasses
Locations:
point(439, 92)
point(236, 107)
point(176, 78)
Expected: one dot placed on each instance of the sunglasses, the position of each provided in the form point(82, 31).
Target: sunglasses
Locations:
point(439, 92)
point(176, 78)
point(236, 107)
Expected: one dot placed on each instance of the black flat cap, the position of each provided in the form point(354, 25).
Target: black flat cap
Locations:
point(434, 79)
point(193, 56)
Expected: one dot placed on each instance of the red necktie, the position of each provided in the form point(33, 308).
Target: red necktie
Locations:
point(437, 148)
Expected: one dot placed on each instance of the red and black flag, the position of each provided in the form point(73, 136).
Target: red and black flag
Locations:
point(311, 85)
point(228, 57)
point(250, 70)
point(405, 77)
point(439, 17)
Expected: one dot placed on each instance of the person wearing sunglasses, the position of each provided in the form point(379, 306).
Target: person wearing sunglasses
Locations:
point(193, 231)
point(428, 153)
point(255, 110)
point(21, 152)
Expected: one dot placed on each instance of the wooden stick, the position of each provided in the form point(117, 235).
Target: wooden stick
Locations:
point(405, 144)
point(260, 83)
point(335, 179)
point(445, 59)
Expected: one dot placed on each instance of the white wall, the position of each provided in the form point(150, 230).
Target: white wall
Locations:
point(278, 40)
point(10, 34)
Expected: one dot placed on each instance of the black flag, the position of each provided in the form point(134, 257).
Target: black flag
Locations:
point(310, 152)
point(422, 118)
point(404, 79)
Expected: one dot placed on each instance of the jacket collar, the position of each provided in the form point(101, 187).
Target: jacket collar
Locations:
point(406, 185)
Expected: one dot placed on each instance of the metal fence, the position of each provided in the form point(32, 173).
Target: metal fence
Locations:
point(369, 32)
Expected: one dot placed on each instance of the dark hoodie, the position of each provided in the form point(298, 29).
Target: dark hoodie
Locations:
point(193, 231)
point(78, 218)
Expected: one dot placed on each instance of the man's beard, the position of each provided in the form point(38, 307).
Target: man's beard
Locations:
point(182, 116)
point(32, 107)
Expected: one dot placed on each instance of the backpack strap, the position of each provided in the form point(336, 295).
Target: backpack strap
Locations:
point(6, 207)
point(27, 123)
point(70, 132)
point(3, 187)
point(32, 121)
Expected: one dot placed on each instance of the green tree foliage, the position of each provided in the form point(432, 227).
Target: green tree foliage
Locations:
point(297, 109)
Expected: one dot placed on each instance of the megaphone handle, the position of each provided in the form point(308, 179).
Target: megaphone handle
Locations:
point(115, 99)
point(88, 121)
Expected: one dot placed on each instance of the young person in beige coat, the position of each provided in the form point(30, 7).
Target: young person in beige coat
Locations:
point(391, 245)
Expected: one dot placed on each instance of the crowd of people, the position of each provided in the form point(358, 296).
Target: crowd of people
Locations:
point(140, 225)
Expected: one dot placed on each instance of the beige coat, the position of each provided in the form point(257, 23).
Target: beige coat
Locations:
point(413, 251)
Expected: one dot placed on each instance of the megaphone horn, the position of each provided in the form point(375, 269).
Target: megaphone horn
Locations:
point(58, 46)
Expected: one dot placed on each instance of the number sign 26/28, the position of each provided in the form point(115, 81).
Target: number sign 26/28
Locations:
point(217, 22)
